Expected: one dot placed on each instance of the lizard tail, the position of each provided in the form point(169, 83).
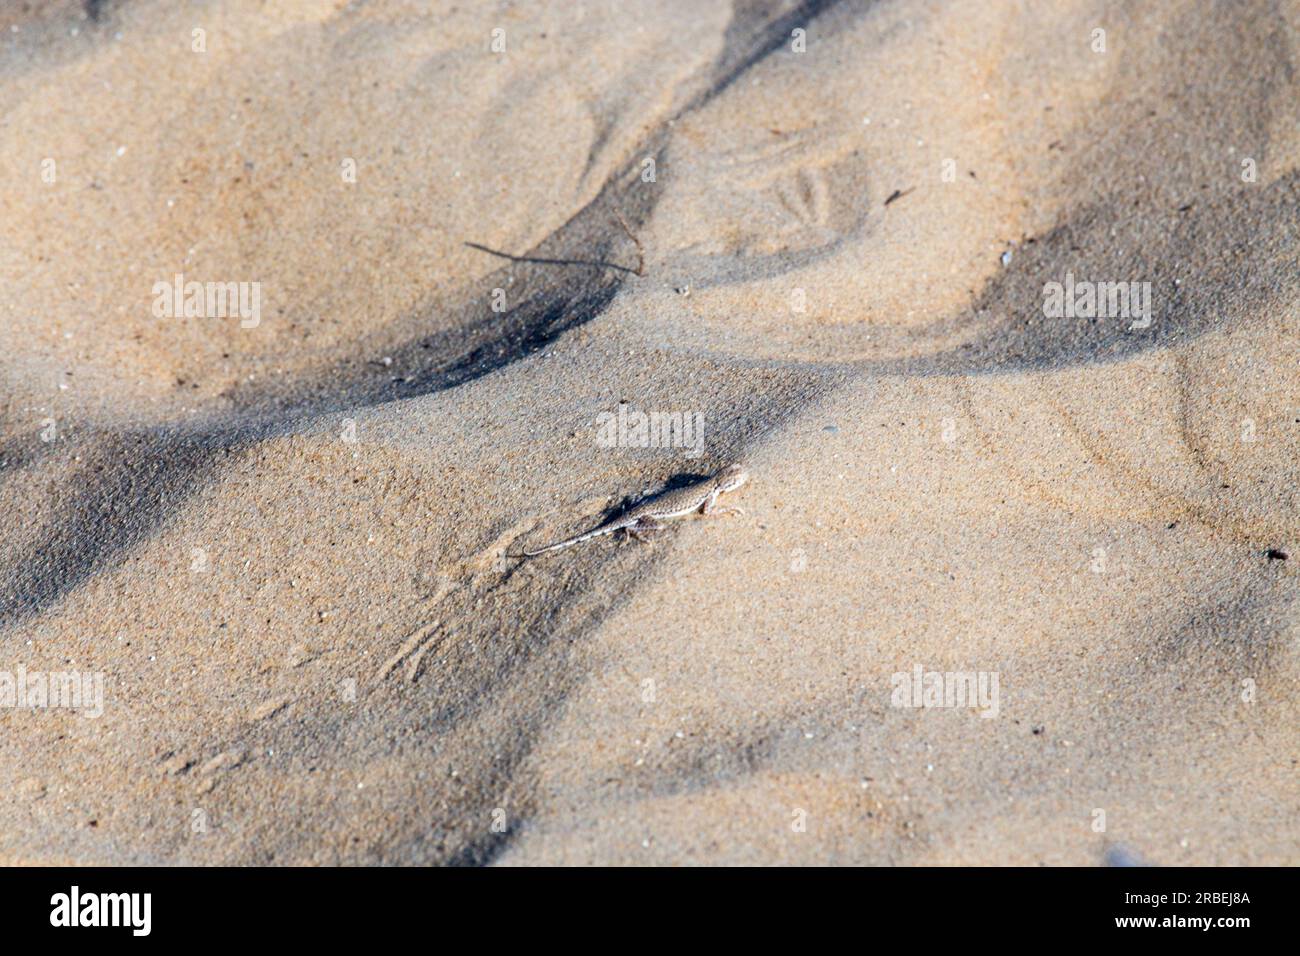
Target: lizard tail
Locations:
point(594, 533)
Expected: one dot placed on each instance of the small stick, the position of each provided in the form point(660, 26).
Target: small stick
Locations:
point(640, 253)
point(550, 262)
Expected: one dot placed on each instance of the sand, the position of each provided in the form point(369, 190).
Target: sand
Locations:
point(828, 233)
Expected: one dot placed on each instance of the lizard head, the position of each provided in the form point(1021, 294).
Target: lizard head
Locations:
point(732, 477)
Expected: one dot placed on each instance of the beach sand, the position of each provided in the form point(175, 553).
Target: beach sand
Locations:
point(825, 232)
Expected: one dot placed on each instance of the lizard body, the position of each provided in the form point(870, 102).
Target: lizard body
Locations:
point(645, 518)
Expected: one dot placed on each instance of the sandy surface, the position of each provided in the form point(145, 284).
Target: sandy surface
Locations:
point(828, 231)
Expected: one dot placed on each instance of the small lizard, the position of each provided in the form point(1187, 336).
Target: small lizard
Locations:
point(644, 519)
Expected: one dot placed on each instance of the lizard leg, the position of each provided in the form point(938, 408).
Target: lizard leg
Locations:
point(711, 507)
point(645, 529)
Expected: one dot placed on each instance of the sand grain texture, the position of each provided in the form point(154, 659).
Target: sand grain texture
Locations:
point(283, 545)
